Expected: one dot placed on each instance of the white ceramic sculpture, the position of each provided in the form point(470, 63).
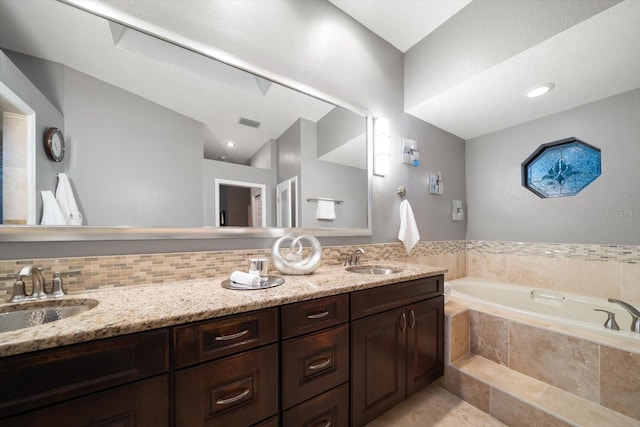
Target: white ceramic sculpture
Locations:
point(292, 262)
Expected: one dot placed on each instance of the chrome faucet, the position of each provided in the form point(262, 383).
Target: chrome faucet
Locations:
point(635, 314)
point(37, 279)
point(354, 257)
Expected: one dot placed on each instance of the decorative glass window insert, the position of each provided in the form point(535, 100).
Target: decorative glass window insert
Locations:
point(561, 168)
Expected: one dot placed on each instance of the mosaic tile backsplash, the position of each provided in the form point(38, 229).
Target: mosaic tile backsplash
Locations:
point(83, 273)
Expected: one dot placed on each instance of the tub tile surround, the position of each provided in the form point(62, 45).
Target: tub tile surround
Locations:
point(550, 376)
point(604, 271)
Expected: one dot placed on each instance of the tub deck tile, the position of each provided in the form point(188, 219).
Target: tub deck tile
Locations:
point(501, 377)
point(582, 411)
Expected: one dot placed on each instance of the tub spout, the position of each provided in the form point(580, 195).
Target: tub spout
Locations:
point(635, 314)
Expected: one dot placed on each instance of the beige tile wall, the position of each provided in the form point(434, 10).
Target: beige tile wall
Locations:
point(597, 270)
point(81, 273)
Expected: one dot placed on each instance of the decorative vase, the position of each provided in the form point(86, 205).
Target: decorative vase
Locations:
point(292, 262)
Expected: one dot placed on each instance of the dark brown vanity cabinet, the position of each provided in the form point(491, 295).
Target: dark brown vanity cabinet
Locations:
point(315, 362)
point(397, 344)
point(334, 361)
point(227, 371)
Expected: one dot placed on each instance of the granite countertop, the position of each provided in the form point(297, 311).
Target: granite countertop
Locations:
point(129, 309)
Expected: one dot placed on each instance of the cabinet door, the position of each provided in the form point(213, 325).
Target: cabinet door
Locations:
point(378, 348)
point(141, 404)
point(425, 343)
point(238, 390)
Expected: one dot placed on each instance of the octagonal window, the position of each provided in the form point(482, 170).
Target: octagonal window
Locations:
point(561, 168)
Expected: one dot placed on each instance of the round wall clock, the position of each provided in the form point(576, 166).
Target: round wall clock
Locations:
point(54, 144)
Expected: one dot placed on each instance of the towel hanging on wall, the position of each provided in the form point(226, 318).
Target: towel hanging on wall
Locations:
point(51, 214)
point(66, 201)
point(326, 209)
point(408, 234)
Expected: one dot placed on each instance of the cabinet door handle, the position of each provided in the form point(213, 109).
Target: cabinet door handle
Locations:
point(318, 315)
point(232, 336)
point(412, 319)
point(403, 322)
point(232, 399)
point(320, 364)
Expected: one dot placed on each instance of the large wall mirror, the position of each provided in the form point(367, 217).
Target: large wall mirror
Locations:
point(150, 127)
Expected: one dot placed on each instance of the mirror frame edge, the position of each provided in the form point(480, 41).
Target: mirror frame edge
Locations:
point(26, 233)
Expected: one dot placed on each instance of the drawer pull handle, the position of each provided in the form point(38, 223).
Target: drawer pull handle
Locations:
point(323, 364)
point(403, 322)
point(318, 315)
point(412, 319)
point(232, 399)
point(323, 423)
point(232, 336)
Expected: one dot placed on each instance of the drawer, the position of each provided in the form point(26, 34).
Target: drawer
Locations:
point(376, 300)
point(238, 390)
point(145, 403)
point(49, 376)
point(313, 364)
point(212, 339)
point(329, 409)
point(310, 316)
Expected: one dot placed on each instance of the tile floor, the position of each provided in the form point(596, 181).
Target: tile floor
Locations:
point(434, 406)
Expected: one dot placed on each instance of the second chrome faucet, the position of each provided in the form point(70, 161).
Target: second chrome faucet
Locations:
point(635, 314)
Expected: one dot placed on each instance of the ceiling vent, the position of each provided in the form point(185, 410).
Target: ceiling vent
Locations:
point(249, 122)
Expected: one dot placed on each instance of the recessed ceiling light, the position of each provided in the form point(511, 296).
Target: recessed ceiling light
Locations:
point(539, 90)
point(223, 157)
point(230, 144)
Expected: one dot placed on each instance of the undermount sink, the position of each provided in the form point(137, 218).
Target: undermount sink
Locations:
point(373, 269)
point(26, 315)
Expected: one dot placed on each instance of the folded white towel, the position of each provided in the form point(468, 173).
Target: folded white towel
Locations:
point(326, 209)
point(447, 292)
point(241, 279)
point(408, 234)
point(66, 201)
point(51, 214)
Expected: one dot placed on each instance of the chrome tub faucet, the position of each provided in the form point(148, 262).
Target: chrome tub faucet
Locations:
point(635, 314)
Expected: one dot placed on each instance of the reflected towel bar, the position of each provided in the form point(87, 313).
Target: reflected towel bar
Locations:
point(315, 199)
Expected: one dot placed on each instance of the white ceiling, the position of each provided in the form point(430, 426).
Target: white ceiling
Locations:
point(590, 59)
point(402, 23)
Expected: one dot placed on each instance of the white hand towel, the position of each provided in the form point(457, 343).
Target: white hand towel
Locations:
point(51, 214)
point(447, 292)
point(241, 279)
point(66, 201)
point(408, 234)
point(326, 209)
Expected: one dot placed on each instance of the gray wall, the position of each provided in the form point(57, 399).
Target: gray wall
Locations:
point(133, 162)
point(606, 212)
point(332, 54)
point(332, 181)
